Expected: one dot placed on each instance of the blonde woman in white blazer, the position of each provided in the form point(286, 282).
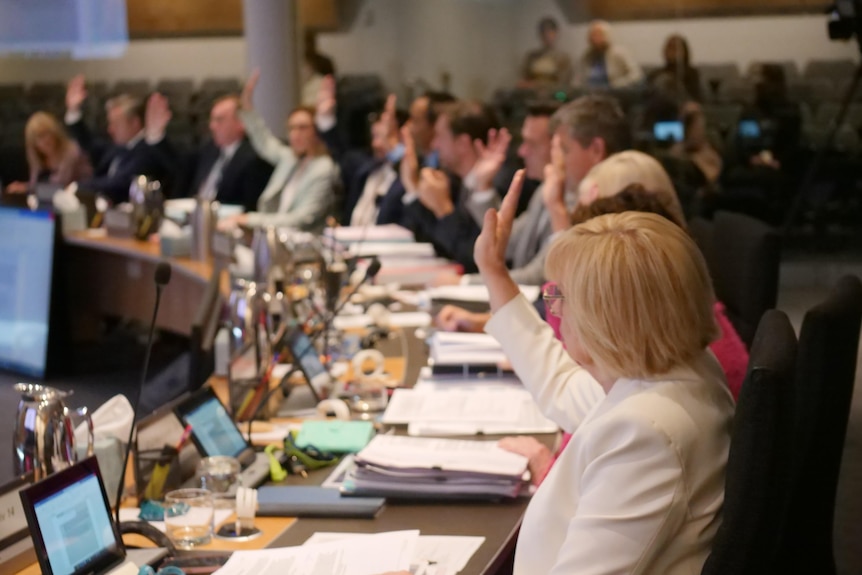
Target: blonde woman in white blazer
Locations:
point(640, 486)
point(302, 189)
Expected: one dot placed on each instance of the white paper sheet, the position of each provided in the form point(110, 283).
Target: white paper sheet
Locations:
point(387, 233)
point(377, 553)
point(454, 405)
point(399, 319)
point(399, 452)
point(449, 552)
point(392, 250)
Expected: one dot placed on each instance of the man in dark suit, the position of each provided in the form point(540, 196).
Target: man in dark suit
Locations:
point(447, 207)
point(227, 168)
point(372, 191)
point(137, 143)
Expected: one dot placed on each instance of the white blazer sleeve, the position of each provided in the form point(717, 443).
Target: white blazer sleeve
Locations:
point(262, 139)
point(632, 501)
point(564, 391)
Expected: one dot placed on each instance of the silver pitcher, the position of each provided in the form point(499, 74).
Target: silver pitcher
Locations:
point(44, 438)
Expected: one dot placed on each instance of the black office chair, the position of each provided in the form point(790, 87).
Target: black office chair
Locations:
point(756, 489)
point(744, 261)
point(700, 230)
point(828, 348)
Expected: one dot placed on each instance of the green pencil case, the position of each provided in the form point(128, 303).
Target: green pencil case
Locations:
point(335, 436)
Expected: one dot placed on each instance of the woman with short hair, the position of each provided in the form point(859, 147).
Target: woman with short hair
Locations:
point(640, 486)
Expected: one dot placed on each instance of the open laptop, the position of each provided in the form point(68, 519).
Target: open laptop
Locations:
point(72, 528)
point(215, 433)
point(318, 380)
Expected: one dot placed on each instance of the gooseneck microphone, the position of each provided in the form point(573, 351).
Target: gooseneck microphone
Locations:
point(162, 277)
point(372, 270)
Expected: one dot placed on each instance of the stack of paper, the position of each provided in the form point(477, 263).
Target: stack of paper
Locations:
point(414, 271)
point(354, 234)
point(450, 348)
point(412, 467)
point(391, 250)
point(474, 293)
point(464, 408)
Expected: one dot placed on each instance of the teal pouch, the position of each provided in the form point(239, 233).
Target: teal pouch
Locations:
point(335, 436)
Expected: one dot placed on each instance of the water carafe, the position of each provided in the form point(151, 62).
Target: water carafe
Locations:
point(44, 437)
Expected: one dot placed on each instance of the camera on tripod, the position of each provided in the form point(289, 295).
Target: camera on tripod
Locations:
point(845, 20)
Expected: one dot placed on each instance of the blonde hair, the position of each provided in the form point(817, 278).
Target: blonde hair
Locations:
point(40, 123)
point(637, 293)
point(619, 171)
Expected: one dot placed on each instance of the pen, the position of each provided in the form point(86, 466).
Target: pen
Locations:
point(184, 437)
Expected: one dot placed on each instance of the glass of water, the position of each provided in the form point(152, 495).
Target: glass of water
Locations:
point(189, 517)
point(220, 476)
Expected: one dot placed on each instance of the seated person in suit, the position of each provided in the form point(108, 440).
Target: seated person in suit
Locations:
point(446, 207)
point(373, 192)
point(52, 156)
point(640, 486)
point(587, 130)
point(227, 168)
point(137, 141)
point(301, 191)
point(423, 116)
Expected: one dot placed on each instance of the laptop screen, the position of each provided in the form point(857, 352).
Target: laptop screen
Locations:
point(70, 521)
point(212, 427)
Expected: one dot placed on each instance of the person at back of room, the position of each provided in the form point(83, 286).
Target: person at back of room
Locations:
point(137, 145)
point(226, 168)
point(52, 156)
point(606, 64)
point(301, 192)
point(547, 67)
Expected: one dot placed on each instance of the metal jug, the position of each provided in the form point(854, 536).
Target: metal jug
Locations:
point(204, 221)
point(44, 437)
point(147, 201)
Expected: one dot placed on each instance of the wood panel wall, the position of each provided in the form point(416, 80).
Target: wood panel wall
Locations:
point(646, 9)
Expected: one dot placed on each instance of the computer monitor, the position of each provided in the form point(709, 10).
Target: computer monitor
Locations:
point(749, 129)
point(27, 243)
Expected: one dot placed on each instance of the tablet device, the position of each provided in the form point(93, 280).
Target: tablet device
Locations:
point(213, 430)
point(749, 129)
point(71, 525)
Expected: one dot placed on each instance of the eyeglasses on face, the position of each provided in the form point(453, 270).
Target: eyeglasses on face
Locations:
point(553, 299)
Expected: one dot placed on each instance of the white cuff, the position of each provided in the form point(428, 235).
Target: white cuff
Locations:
point(324, 122)
point(154, 139)
point(72, 117)
point(409, 198)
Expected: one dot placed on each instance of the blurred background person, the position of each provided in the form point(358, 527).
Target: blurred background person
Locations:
point(51, 155)
point(423, 116)
point(606, 65)
point(226, 168)
point(546, 67)
point(137, 145)
point(677, 80)
point(301, 192)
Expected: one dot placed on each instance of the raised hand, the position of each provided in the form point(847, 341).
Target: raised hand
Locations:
point(389, 119)
point(490, 249)
point(247, 96)
point(158, 115)
point(409, 169)
point(491, 157)
point(326, 101)
point(453, 318)
point(435, 192)
point(554, 188)
point(76, 93)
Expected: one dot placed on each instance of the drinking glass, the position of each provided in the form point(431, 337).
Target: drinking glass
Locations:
point(220, 476)
point(189, 517)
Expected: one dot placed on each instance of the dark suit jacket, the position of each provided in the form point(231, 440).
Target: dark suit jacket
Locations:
point(243, 178)
point(453, 236)
point(356, 165)
point(158, 161)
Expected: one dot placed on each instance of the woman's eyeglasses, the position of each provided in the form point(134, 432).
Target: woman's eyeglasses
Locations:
point(553, 299)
